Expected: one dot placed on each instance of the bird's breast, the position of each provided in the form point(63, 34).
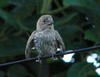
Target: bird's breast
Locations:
point(45, 41)
point(46, 35)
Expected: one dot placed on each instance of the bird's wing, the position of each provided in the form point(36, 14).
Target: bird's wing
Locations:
point(60, 42)
point(29, 45)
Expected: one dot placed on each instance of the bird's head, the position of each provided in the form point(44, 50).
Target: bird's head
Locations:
point(45, 22)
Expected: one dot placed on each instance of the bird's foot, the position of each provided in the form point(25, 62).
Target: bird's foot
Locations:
point(54, 58)
point(39, 60)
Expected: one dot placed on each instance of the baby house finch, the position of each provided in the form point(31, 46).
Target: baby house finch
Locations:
point(45, 39)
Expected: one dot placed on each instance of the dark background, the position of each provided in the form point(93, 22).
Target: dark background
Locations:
point(77, 21)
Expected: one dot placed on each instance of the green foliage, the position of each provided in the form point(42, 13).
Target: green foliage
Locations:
point(12, 47)
point(18, 19)
point(89, 8)
point(2, 74)
point(17, 71)
point(4, 3)
point(81, 69)
point(90, 34)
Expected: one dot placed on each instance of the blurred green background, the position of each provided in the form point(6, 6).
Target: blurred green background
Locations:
point(77, 21)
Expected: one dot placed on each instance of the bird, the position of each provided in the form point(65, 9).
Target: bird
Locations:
point(45, 39)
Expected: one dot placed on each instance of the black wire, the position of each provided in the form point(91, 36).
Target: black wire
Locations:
point(45, 57)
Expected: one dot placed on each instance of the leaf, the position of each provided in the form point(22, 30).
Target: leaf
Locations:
point(80, 69)
point(91, 35)
point(8, 17)
point(2, 74)
point(23, 9)
point(12, 20)
point(12, 47)
point(26, 8)
point(4, 3)
point(68, 33)
point(45, 6)
point(88, 7)
point(30, 22)
point(38, 4)
point(66, 19)
point(61, 74)
point(17, 71)
point(74, 2)
point(75, 45)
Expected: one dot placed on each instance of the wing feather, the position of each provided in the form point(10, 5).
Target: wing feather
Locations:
point(60, 41)
point(29, 45)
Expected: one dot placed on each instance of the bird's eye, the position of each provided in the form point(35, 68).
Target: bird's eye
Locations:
point(44, 20)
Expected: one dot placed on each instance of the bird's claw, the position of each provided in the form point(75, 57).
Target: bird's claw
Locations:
point(54, 58)
point(39, 60)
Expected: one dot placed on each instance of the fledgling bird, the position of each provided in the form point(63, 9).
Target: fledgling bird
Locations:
point(45, 39)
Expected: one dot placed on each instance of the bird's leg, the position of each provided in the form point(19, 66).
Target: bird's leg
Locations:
point(39, 60)
point(53, 57)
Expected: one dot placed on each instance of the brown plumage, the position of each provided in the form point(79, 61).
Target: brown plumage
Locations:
point(45, 39)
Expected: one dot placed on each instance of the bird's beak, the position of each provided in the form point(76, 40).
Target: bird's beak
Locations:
point(50, 20)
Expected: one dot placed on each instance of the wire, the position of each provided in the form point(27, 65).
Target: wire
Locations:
point(45, 57)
